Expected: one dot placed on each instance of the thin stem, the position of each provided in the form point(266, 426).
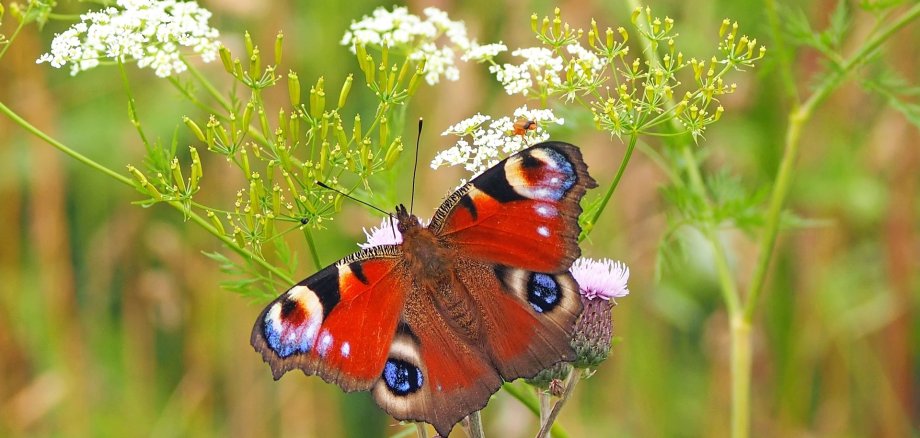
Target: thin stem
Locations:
point(127, 181)
point(785, 64)
point(212, 90)
point(312, 245)
point(527, 399)
point(63, 148)
point(740, 334)
point(22, 23)
point(132, 106)
point(476, 425)
point(543, 396)
point(557, 408)
point(422, 431)
point(616, 181)
point(796, 121)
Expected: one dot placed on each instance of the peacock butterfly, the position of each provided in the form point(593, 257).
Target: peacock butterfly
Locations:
point(433, 325)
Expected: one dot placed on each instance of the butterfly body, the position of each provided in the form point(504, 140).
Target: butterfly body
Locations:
point(433, 325)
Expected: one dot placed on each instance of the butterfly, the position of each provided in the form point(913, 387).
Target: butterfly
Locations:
point(432, 326)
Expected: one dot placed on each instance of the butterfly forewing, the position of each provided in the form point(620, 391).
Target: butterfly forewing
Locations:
point(338, 323)
point(523, 211)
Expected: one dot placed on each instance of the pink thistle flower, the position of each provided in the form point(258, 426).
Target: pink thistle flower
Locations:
point(599, 282)
point(604, 279)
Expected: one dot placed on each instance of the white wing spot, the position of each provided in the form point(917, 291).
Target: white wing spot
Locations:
point(346, 349)
point(545, 210)
point(543, 231)
point(325, 341)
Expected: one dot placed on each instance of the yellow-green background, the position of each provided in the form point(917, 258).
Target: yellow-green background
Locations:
point(112, 322)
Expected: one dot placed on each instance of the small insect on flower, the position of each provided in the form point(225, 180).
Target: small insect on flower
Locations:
point(521, 127)
point(149, 32)
point(492, 142)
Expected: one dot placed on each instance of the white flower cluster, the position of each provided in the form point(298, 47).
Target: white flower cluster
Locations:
point(416, 36)
point(483, 53)
point(542, 68)
point(150, 32)
point(490, 144)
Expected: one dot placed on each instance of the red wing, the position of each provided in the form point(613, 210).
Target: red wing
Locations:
point(522, 212)
point(338, 323)
point(529, 317)
point(433, 373)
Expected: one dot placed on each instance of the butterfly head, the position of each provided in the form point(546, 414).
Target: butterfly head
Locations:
point(407, 221)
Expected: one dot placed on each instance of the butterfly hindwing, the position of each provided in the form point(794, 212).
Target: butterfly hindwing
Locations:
point(529, 317)
point(338, 323)
point(435, 371)
point(522, 212)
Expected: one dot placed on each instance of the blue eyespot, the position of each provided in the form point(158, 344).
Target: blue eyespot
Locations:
point(543, 292)
point(401, 377)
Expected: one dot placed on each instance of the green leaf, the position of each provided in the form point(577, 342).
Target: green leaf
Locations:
point(837, 27)
point(897, 93)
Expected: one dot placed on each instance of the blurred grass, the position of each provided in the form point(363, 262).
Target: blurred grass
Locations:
point(112, 323)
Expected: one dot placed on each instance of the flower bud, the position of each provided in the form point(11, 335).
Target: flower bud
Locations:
point(545, 378)
point(278, 40)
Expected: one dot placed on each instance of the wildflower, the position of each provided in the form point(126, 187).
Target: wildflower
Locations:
point(550, 377)
point(415, 36)
point(149, 32)
point(387, 233)
point(540, 66)
point(599, 282)
point(483, 53)
point(601, 279)
point(492, 142)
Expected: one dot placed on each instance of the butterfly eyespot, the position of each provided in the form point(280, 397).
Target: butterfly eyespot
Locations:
point(543, 292)
point(401, 377)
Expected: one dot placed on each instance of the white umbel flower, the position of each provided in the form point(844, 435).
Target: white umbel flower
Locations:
point(492, 140)
point(421, 38)
point(149, 32)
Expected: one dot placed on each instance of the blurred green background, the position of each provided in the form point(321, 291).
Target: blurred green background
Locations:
point(112, 322)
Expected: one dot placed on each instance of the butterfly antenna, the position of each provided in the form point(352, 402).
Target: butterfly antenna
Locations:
point(415, 168)
point(323, 185)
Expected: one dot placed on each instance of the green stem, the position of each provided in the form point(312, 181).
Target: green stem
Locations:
point(740, 334)
point(797, 120)
point(22, 23)
point(532, 405)
point(312, 245)
point(211, 89)
point(476, 425)
point(132, 106)
point(129, 182)
point(63, 148)
point(421, 430)
point(616, 181)
point(785, 64)
point(557, 408)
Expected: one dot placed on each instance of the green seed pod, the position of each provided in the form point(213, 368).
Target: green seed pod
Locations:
point(194, 128)
point(393, 153)
point(196, 169)
point(294, 88)
point(216, 222)
point(346, 88)
point(533, 22)
point(279, 39)
point(226, 59)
